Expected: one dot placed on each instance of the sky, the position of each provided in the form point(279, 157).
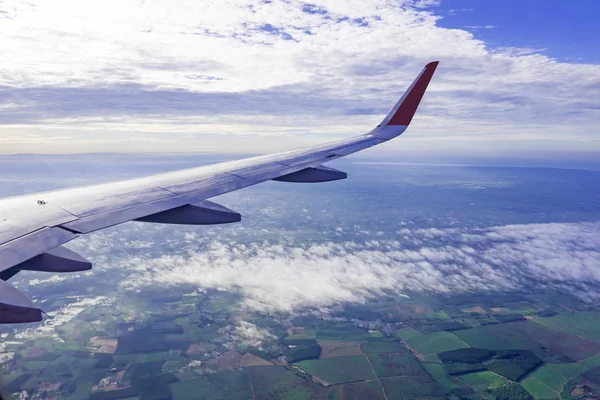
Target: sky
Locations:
point(516, 78)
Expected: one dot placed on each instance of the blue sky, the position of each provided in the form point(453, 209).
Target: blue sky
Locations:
point(567, 31)
point(248, 76)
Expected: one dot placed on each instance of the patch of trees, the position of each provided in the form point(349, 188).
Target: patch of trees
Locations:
point(450, 326)
point(593, 375)
point(299, 342)
point(463, 392)
point(150, 382)
point(169, 329)
point(511, 391)
point(50, 356)
point(17, 384)
point(426, 326)
point(104, 362)
point(68, 388)
point(114, 394)
point(155, 388)
point(135, 346)
point(148, 340)
point(463, 368)
point(267, 354)
point(509, 317)
point(303, 353)
point(304, 349)
point(490, 300)
point(359, 312)
point(470, 355)
point(139, 371)
point(75, 353)
point(547, 313)
point(511, 364)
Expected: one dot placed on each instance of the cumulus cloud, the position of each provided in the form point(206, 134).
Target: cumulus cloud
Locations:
point(282, 277)
point(247, 67)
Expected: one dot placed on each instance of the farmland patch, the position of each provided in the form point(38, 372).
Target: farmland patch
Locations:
point(339, 369)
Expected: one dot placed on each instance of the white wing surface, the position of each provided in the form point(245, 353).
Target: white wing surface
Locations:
point(33, 227)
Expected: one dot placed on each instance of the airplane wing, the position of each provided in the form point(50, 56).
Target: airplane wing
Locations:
point(33, 228)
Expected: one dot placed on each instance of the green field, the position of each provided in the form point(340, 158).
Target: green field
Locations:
point(550, 377)
point(270, 375)
point(539, 390)
point(508, 333)
point(370, 390)
point(438, 373)
point(298, 391)
point(590, 362)
point(568, 370)
point(231, 384)
point(569, 386)
point(339, 369)
point(437, 356)
point(36, 364)
point(592, 375)
point(383, 346)
point(410, 388)
point(584, 323)
point(483, 380)
point(194, 389)
point(434, 343)
point(307, 333)
point(82, 391)
point(407, 333)
point(511, 364)
point(395, 364)
point(484, 339)
point(345, 333)
point(567, 345)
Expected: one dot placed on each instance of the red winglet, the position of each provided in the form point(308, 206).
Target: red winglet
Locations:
point(405, 112)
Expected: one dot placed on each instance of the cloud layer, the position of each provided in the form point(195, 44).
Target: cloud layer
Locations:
point(97, 73)
point(279, 277)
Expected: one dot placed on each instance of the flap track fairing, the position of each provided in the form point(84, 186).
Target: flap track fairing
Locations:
point(59, 259)
point(201, 213)
point(15, 307)
point(313, 175)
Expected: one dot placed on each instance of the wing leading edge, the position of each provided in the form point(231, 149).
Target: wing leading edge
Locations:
point(34, 227)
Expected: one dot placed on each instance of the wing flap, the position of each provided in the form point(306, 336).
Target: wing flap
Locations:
point(203, 183)
point(25, 247)
point(109, 200)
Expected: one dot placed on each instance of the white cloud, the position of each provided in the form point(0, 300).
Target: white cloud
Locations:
point(280, 277)
point(167, 69)
point(480, 26)
point(249, 334)
point(50, 326)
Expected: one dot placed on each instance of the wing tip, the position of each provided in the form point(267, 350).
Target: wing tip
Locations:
point(407, 107)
